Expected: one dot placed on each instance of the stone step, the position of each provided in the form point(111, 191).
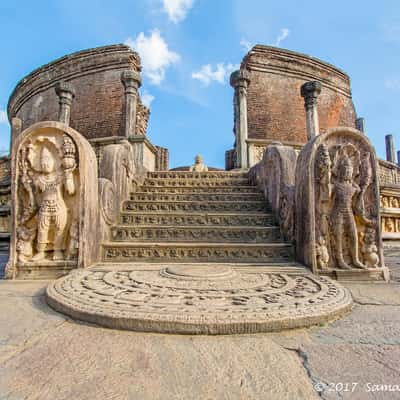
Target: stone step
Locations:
point(195, 182)
point(193, 206)
point(203, 197)
point(198, 189)
point(199, 252)
point(197, 175)
point(220, 234)
point(189, 219)
point(288, 267)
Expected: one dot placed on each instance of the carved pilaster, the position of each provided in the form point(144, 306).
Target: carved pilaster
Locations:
point(239, 81)
point(132, 81)
point(310, 92)
point(65, 93)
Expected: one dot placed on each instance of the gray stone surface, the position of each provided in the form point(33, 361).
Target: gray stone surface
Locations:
point(49, 357)
point(46, 356)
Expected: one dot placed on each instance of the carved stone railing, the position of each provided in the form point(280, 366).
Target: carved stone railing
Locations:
point(116, 172)
point(54, 191)
point(274, 175)
point(337, 223)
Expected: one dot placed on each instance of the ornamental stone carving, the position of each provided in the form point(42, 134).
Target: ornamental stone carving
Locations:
point(142, 118)
point(274, 174)
point(198, 165)
point(337, 198)
point(54, 194)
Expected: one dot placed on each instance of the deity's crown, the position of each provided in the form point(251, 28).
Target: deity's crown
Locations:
point(45, 154)
point(345, 161)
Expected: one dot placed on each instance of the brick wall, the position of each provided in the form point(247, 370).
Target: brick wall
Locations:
point(96, 77)
point(274, 105)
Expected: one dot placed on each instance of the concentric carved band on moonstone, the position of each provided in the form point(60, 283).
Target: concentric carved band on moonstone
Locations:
point(226, 302)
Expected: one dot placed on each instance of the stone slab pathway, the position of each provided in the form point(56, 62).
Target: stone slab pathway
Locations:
point(44, 355)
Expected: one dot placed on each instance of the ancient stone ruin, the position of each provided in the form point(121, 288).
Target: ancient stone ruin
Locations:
point(88, 200)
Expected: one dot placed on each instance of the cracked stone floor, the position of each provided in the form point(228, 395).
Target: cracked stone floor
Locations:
point(46, 356)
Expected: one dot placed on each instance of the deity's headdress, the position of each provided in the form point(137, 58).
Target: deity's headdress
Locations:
point(45, 154)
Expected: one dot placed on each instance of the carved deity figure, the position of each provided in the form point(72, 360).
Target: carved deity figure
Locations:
point(45, 224)
point(345, 192)
point(53, 213)
point(198, 166)
point(369, 249)
point(322, 253)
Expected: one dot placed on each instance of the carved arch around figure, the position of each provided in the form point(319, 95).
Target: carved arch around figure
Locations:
point(328, 202)
point(54, 193)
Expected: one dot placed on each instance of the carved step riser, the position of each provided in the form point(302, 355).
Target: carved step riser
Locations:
point(198, 189)
point(191, 220)
point(196, 182)
point(196, 197)
point(196, 175)
point(129, 234)
point(239, 254)
point(194, 207)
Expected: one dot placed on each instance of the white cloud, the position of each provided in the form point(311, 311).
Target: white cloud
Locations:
point(3, 117)
point(146, 98)
point(154, 53)
point(177, 9)
point(284, 33)
point(246, 45)
point(393, 84)
point(206, 74)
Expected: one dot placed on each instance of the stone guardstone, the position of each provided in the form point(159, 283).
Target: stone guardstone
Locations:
point(197, 299)
point(337, 207)
point(55, 202)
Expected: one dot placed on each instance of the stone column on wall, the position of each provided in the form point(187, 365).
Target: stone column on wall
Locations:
point(132, 81)
point(310, 92)
point(239, 81)
point(360, 124)
point(16, 129)
point(65, 93)
point(390, 149)
point(398, 158)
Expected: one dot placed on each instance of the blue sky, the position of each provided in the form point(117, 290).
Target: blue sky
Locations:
point(189, 48)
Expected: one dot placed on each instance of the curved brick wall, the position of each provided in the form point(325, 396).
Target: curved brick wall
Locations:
point(96, 76)
point(274, 105)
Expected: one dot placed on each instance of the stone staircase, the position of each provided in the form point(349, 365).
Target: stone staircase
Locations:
point(190, 217)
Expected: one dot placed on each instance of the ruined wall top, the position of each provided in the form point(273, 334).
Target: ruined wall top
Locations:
point(275, 111)
point(95, 75)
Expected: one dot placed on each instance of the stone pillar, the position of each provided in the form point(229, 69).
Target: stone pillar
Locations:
point(16, 129)
point(310, 92)
point(390, 149)
point(360, 124)
point(65, 93)
point(131, 80)
point(240, 81)
point(398, 158)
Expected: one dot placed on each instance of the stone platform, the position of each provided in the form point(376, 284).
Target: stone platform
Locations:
point(199, 298)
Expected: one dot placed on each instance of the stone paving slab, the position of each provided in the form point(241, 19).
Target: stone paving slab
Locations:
point(46, 356)
point(54, 359)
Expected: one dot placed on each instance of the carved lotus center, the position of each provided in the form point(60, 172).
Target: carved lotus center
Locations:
point(194, 272)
